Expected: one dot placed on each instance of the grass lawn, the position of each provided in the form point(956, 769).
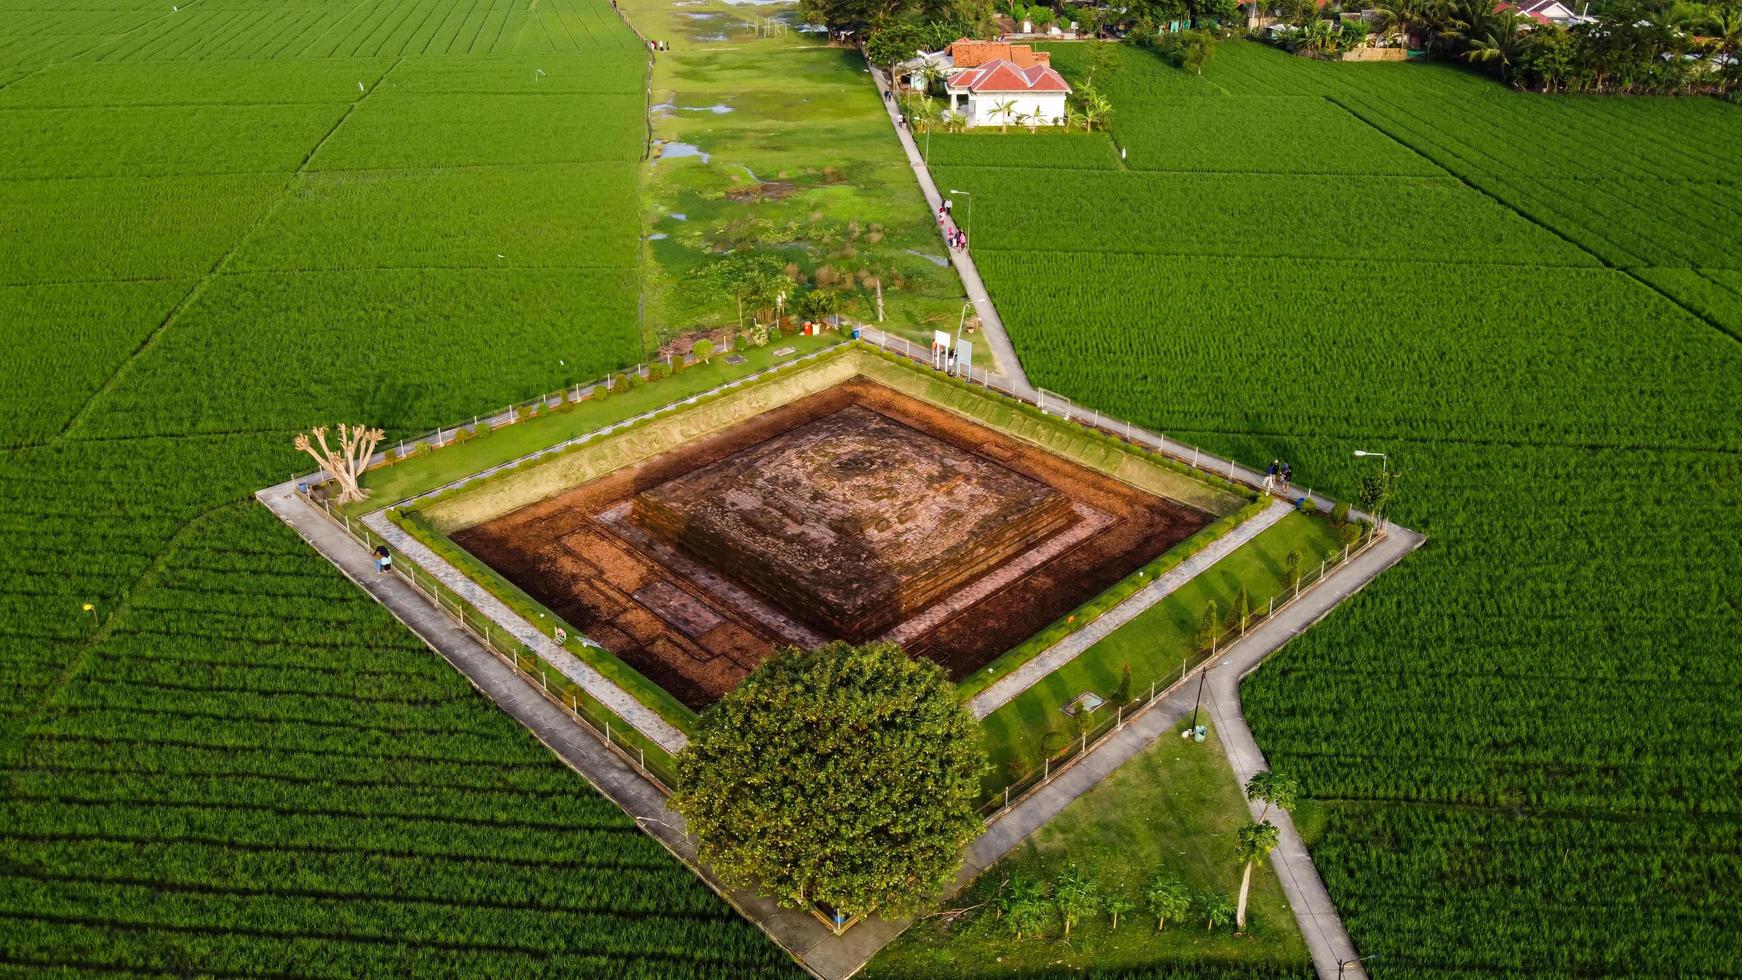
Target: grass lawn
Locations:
point(1153, 644)
point(421, 474)
point(812, 173)
point(1173, 808)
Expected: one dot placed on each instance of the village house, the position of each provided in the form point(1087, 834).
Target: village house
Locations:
point(992, 83)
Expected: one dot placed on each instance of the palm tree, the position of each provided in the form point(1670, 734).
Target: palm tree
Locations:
point(1096, 108)
point(922, 109)
point(1399, 18)
point(1005, 111)
point(1167, 898)
point(1073, 117)
point(1076, 895)
point(931, 76)
point(1501, 42)
point(1252, 842)
point(1214, 908)
point(1274, 788)
point(1724, 22)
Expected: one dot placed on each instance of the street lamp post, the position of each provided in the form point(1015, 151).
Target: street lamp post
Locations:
point(970, 198)
point(1384, 461)
point(1344, 964)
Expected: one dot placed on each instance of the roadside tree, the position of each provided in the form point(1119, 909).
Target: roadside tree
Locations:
point(1252, 843)
point(846, 775)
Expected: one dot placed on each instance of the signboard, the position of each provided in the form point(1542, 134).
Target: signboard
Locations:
point(964, 356)
point(940, 349)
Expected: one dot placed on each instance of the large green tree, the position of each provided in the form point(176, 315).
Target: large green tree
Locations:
point(844, 775)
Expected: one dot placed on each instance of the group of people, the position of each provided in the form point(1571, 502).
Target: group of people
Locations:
point(1279, 476)
point(955, 237)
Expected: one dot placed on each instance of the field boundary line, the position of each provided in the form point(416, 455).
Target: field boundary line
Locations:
point(1551, 229)
point(302, 167)
point(216, 269)
point(107, 39)
point(49, 703)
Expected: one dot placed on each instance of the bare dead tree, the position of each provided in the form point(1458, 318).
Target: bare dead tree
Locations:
point(356, 446)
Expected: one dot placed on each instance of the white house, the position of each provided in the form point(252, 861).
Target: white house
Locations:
point(1546, 12)
point(981, 77)
point(999, 93)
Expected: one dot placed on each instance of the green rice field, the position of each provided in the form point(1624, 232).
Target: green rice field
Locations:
point(1524, 741)
point(225, 223)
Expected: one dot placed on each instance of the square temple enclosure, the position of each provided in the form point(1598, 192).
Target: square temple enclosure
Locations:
point(851, 512)
point(855, 521)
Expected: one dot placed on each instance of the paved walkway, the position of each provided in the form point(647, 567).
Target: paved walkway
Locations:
point(621, 702)
point(825, 954)
point(1067, 649)
point(836, 957)
point(1319, 923)
point(992, 328)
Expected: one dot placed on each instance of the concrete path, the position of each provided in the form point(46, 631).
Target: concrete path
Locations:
point(1319, 923)
point(824, 954)
point(1312, 906)
point(1066, 650)
point(814, 946)
point(625, 705)
point(992, 328)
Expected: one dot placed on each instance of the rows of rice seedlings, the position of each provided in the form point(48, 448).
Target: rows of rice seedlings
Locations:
point(414, 349)
point(70, 340)
point(500, 217)
point(1519, 738)
point(147, 141)
point(1284, 215)
point(255, 761)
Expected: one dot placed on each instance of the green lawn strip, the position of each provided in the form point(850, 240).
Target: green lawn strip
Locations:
point(1153, 643)
point(1173, 809)
point(1097, 607)
point(421, 474)
point(815, 177)
point(616, 671)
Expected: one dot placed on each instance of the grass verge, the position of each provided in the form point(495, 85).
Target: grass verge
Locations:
point(1172, 809)
point(1158, 644)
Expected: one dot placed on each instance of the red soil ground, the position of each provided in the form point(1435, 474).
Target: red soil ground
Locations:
point(698, 640)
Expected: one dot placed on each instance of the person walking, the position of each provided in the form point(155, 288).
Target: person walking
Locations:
point(383, 560)
point(1270, 477)
point(1287, 475)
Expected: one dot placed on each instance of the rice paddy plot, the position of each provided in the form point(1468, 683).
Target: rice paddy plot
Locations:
point(1260, 135)
point(109, 228)
point(64, 341)
point(113, 84)
point(416, 348)
point(1294, 215)
point(399, 131)
point(546, 216)
point(145, 141)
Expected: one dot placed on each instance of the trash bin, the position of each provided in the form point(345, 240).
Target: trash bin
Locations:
point(855, 333)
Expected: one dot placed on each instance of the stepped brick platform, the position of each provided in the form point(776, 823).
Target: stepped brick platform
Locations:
point(854, 522)
point(854, 513)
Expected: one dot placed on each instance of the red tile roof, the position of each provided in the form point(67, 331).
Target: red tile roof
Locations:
point(1003, 76)
point(965, 53)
